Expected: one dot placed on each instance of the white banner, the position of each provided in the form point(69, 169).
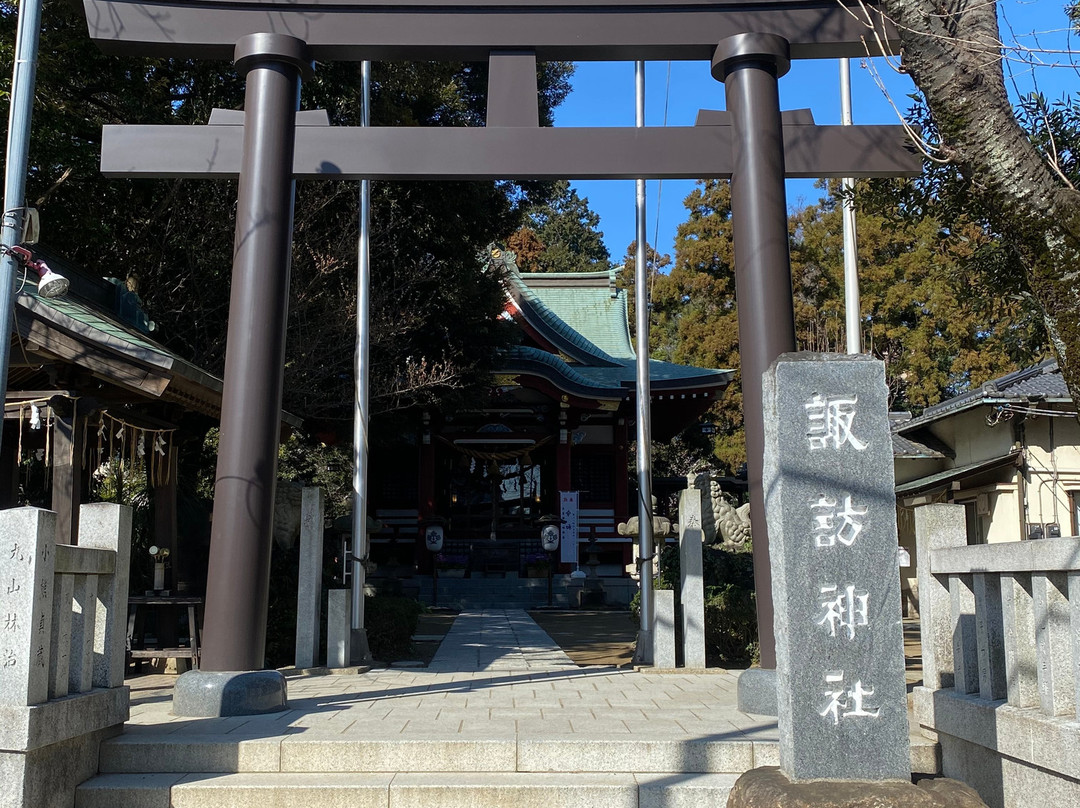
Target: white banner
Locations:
point(568, 540)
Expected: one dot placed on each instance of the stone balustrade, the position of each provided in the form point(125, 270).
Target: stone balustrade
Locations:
point(1001, 659)
point(63, 633)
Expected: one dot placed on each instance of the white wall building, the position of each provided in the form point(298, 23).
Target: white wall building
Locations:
point(1009, 452)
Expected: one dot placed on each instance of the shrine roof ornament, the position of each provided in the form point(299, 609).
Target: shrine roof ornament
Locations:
point(353, 30)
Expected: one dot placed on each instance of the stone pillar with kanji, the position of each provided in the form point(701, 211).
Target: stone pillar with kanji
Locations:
point(828, 482)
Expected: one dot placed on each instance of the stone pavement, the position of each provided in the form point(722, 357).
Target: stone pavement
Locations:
point(501, 716)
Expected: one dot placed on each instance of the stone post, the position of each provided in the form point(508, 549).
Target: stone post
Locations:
point(309, 589)
point(107, 526)
point(936, 527)
point(664, 629)
point(27, 538)
point(338, 633)
point(691, 589)
point(828, 479)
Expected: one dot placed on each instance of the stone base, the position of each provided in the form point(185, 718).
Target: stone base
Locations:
point(209, 694)
point(768, 788)
point(757, 692)
point(48, 776)
point(643, 649)
point(359, 650)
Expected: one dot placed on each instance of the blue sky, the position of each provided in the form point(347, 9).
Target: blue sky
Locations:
point(604, 96)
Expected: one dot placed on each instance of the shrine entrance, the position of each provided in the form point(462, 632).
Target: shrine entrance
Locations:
point(273, 44)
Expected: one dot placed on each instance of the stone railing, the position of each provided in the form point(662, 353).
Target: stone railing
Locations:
point(63, 618)
point(1001, 660)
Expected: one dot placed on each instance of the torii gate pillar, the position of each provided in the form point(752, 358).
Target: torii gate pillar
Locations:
point(239, 571)
point(749, 65)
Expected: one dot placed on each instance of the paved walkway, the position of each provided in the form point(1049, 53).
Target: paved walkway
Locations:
point(496, 676)
point(499, 684)
point(503, 639)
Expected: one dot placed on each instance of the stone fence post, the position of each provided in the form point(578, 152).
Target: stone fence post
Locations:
point(936, 527)
point(27, 557)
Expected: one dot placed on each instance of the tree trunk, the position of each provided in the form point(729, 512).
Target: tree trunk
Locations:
point(952, 50)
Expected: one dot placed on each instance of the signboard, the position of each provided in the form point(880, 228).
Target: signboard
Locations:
point(568, 512)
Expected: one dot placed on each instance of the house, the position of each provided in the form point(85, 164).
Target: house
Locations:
point(1008, 451)
point(560, 418)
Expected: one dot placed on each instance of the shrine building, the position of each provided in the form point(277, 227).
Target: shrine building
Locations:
point(560, 418)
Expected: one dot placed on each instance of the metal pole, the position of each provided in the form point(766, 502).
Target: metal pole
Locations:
point(852, 313)
point(644, 655)
point(749, 65)
point(17, 156)
point(238, 580)
point(359, 650)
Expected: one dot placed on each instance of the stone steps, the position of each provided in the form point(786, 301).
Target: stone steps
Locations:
point(408, 790)
point(309, 753)
point(304, 769)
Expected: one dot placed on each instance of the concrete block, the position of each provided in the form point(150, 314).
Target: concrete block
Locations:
point(60, 634)
point(766, 754)
point(27, 728)
point(126, 791)
point(207, 753)
point(1018, 620)
point(284, 790)
point(990, 636)
point(1053, 643)
point(47, 777)
point(518, 790)
point(936, 527)
point(965, 637)
point(684, 790)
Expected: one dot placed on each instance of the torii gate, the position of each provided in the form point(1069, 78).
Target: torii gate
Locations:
point(273, 42)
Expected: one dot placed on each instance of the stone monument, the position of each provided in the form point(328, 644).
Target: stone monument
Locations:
point(691, 583)
point(828, 480)
point(828, 483)
point(309, 584)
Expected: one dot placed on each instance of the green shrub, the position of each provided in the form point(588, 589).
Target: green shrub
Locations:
point(391, 622)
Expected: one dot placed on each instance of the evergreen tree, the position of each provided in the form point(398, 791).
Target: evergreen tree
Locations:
point(561, 235)
point(434, 306)
point(937, 329)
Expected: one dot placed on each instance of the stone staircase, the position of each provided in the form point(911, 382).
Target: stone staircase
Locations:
point(303, 770)
point(501, 718)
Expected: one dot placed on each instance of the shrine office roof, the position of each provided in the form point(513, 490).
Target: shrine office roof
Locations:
point(74, 329)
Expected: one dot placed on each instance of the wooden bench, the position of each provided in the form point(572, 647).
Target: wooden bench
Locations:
point(162, 605)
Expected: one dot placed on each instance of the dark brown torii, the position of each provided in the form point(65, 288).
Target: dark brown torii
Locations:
point(273, 42)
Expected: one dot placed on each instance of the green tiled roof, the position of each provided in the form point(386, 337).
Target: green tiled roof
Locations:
point(69, 315)
point(584, 316)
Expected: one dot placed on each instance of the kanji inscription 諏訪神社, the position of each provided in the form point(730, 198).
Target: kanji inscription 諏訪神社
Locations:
point(832, 521)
